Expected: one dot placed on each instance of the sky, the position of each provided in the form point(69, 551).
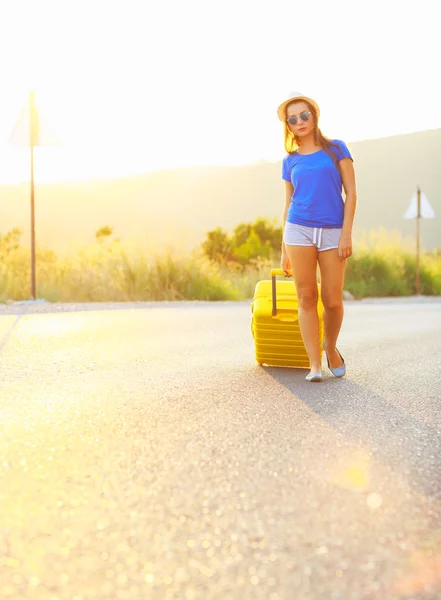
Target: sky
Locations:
point(131, 86)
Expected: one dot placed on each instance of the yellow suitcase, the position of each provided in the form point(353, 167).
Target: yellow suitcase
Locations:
point(275, 326)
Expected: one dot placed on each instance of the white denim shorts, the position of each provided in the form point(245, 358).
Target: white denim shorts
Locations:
point(321, 238)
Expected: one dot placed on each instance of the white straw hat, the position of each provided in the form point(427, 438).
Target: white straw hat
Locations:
point(292, 98)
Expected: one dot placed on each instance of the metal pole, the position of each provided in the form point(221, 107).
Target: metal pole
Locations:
point(33, 278)
point(418, 218)
point(32, 138)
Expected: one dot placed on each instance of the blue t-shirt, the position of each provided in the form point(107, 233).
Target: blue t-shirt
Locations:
point(317, 199)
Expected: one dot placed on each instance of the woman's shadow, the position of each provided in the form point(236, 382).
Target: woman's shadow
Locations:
point(411, 447)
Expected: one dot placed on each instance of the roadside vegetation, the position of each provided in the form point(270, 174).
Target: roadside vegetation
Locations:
point(226, 266)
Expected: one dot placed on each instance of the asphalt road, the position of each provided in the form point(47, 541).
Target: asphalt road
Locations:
point(144, 454)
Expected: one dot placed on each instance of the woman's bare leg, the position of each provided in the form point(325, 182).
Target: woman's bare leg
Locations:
point(332, 271)
point(303, 261)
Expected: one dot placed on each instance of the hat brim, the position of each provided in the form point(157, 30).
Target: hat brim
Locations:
point(281, 111)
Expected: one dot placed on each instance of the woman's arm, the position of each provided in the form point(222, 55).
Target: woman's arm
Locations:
point(348, 178)
point(289, 191)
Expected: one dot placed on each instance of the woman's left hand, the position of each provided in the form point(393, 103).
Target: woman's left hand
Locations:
point(345, 246)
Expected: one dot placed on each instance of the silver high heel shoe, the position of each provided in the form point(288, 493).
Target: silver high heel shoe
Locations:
point(314, 377)
point(339, 371)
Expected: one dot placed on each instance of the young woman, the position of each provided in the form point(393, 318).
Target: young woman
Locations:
point(317, 225)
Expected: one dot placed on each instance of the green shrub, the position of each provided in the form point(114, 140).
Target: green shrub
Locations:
point(249, 242)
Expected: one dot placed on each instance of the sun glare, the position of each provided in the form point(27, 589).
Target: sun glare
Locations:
point(127, 90)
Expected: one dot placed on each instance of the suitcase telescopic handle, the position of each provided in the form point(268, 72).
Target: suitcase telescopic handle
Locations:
point(274, 273)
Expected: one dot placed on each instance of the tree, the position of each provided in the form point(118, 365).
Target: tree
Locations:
point(10, 241)
point(252, 250)
point(217, 246)
point(249, 241)
point(104, 232)
point(269, 231)
point(241, 233)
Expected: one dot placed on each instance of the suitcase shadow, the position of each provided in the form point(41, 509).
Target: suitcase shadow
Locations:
point(411, 447)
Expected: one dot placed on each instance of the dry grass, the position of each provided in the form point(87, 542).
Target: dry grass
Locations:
point(383, 264)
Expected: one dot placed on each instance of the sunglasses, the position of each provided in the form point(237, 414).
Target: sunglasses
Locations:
point(294, 120)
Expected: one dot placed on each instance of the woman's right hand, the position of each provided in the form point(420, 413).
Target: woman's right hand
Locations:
point(285, 264)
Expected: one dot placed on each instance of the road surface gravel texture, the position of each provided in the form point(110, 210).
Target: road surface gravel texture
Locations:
point(145, 455)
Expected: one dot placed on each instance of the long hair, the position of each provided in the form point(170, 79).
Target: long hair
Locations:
point(292, 142)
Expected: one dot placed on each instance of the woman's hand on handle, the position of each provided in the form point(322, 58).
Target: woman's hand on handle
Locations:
point(285, 264)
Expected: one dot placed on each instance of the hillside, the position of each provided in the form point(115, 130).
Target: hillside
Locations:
point(179, 206)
